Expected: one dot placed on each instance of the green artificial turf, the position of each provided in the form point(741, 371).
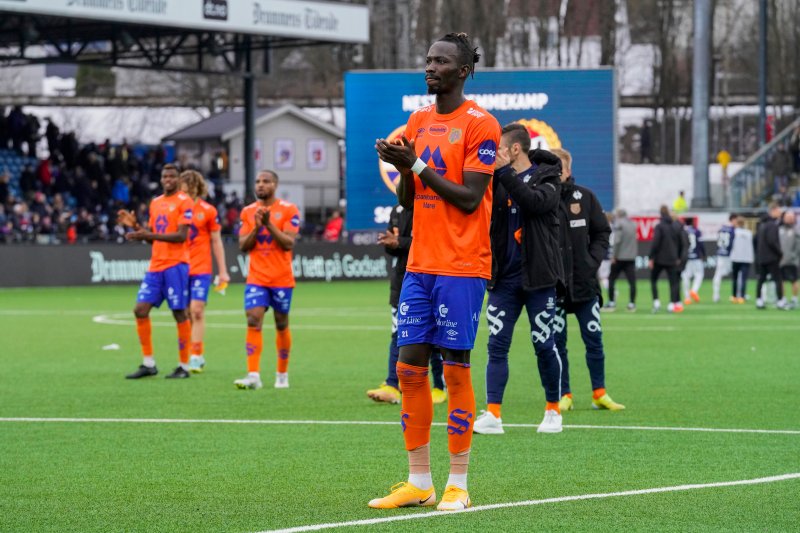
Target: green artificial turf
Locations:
point(714, 366)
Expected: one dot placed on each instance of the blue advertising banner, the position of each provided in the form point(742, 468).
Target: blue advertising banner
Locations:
point(570, 109)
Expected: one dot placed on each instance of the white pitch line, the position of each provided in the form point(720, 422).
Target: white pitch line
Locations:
point(107, 320)
point(529, 503)
point(376, 423)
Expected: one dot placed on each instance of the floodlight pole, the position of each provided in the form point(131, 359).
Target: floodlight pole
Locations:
point(700, 88)
point(249, 124)
point(762, 73)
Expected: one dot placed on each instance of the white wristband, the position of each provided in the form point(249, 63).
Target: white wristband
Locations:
point(419, 166)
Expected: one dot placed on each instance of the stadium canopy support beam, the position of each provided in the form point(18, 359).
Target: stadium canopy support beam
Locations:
point(249, 124)
point(700, 95)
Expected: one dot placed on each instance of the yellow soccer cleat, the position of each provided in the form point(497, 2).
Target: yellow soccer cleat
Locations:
point(565, 404)
point(405, 494)
point(454, 499)
point(385, 393)
point(439, 396)
point(605, 402)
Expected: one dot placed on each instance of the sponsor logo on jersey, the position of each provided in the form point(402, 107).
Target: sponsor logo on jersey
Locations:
point(487, 152)
point(437, 130)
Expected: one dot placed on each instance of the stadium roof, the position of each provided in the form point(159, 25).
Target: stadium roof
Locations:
point(211, 36)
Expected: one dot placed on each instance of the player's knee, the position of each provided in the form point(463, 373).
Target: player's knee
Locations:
point(197, 313)
point(498, 346)
point(254, 320)
point(281, 322)
point(141, 311)
point(180, 315)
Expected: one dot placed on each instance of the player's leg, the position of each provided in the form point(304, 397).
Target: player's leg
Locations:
point(177, 295)
point(151, 294)
point(458, 302)
point(722, 269)
point(439, 393)
point(389, 391)
point(745, 272)
point(654, 273)
point(198, 287)
point(588, 315)
point(698, 274)
point(283, 347)
point(256, 303)
point(616, 268)
point(502, 311)
point(560, 334)
point(415, 328)
point(630, 274)
point(686, 279)
point(673, 275)
point(541, 307)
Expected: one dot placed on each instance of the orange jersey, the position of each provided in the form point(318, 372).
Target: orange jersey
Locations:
point(271, 265)
point(448, 241)
point(166, 214)
point(204, 221)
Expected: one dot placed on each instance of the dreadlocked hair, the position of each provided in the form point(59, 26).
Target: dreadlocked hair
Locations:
point(195, 183)
point(467, 55)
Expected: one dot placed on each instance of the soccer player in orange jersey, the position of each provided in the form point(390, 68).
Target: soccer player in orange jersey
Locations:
point(446, 160)
point(168, 275)
point(204, 238)
point(269, 228)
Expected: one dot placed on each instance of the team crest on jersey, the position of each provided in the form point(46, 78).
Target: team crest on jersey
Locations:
point(201, 216)
point(575, 209)
point(277, 216)
point(455, 135)
point(172, 208)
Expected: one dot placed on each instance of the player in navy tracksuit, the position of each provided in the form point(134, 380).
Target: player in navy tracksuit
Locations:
point(584, 232)
point(526, 271)
point(724, 246)
point(694, 271)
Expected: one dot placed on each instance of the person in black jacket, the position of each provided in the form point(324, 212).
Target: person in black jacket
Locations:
point(397, 243)
point(769, 254)
point(583, 238)
point(526, 269)
point(668, 252)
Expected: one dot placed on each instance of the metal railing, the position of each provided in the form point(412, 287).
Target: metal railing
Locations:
point(754, 184)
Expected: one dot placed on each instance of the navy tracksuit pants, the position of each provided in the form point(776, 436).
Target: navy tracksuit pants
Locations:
point(588, 315)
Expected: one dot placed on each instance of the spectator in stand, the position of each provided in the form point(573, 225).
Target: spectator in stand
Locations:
point(5, 178)
point(31, 133)
point(794, 148)
point(52, 134)
point(45, 176)
point(3, 135)
point(121, 192)
point(333, 229)
point(679, 205)
point(790, 246)
point(16, 128)
point(27, 182)
point(781, 167)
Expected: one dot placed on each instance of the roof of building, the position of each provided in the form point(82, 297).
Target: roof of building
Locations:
point(223, 126)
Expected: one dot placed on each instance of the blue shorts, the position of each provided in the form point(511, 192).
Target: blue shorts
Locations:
point(439, 310)
point(171, 285)
point(199, 285)
point(280, 298)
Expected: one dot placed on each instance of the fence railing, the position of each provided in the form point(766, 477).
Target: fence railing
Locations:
point(755, 183)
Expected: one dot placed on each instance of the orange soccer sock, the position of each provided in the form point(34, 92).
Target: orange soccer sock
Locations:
point(253, 345)
point(197, 348)
point(416, 415)
point(145, 331)
point(552, 406)
point(598, 393)
point(184, 339)
point(494, 408)
point(460, 406)
point(283, 344)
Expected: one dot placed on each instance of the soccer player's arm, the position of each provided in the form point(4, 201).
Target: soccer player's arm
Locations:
point(599, 231)
point(216, 246)
point(286, 235)
point(540, 199)
point(248, 232)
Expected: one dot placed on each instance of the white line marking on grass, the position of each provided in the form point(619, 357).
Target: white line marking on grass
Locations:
point(109, 319)
point(529, 503)
point(376, 423)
